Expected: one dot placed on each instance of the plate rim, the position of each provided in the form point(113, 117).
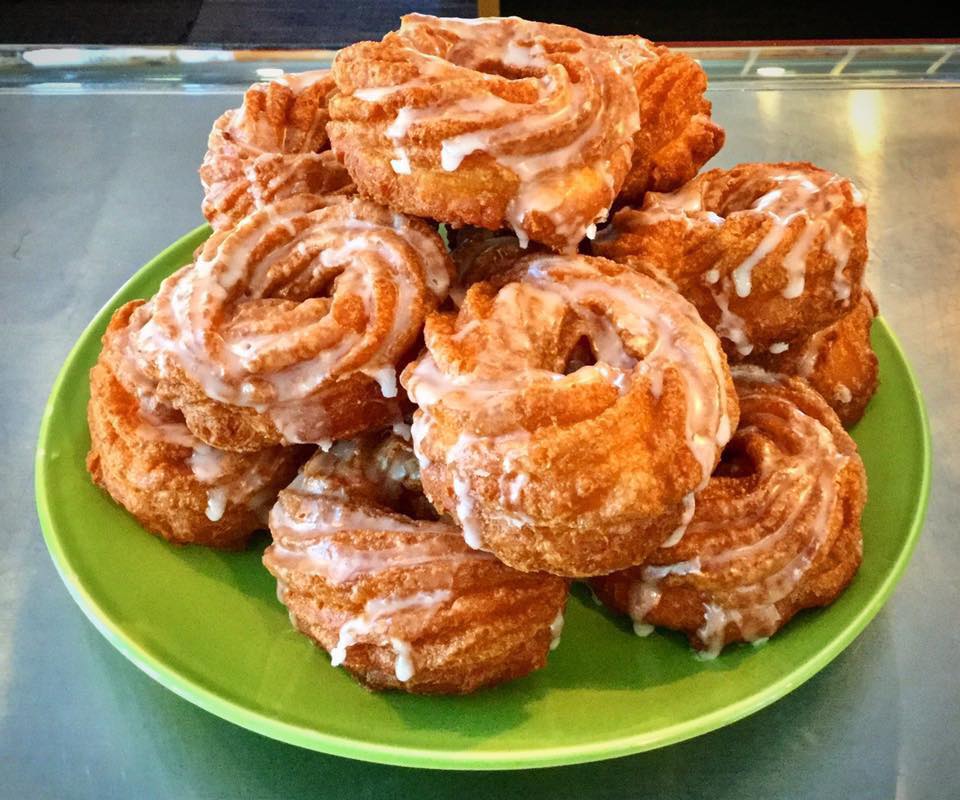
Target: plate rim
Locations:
point(399, 755)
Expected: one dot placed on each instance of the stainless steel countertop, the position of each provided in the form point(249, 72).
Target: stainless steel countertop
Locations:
point(93, 185)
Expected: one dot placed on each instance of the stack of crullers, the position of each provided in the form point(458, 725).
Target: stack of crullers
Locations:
point(471, 326)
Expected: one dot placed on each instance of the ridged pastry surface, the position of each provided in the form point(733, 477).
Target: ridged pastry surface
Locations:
point(567, 412)
point(768, 253)
point(401, 602)
point(273, 147)
point(838, 361)
point(776, 530)
point(289, 327)
point(677, 135)
point(144, 456)
point(491, 123)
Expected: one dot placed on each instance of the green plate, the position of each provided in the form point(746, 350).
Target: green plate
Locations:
point(208, 626)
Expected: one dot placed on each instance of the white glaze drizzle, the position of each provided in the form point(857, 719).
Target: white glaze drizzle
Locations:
point(642, 629)
point(298, 82)
point(815, 198)
point(689, 507)
point(661, 324)
point(807, 478)
point(216, 504)
point(556, 630)
point(206, 463)
point(498, 126)
point(311, 526)
point(403, 667)
point(402, 429)
point(378, 614)
point(808, 360)
point(234, 366)
point(233, 478)
point(731, 326)
point(401, 164)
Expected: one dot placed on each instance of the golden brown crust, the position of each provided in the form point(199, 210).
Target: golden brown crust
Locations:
point(776, 530)
point(344, 408)
point(273, 147)
point(174, 485)
point(556, 421)
point(495, 123)
point(677, 136)
point(290, 326)
point(402, 602)
point(768, 253)
point(837, 361)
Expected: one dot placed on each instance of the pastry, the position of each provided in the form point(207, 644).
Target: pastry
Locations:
point(776, 530)
point(566, 406)
point(568, 412)
point(289, 327)
point(274, 146)
point(144, 456)
point(768, 253)
point(677, 136)
point(490, 122)
point(392, 593)
point(837, 361)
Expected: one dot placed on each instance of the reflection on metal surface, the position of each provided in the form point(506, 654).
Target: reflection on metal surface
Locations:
point(173, 69)
point(865, 118)
point(768, 104)
point(866, 126)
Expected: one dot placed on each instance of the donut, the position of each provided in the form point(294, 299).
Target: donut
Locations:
point(490, 122)
point(567, 412)
point(837, 361)
point(177, 487)
point(289, 327)
point(768, 253)
point(394, 594)
point(776, 530)
point(274, 146)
